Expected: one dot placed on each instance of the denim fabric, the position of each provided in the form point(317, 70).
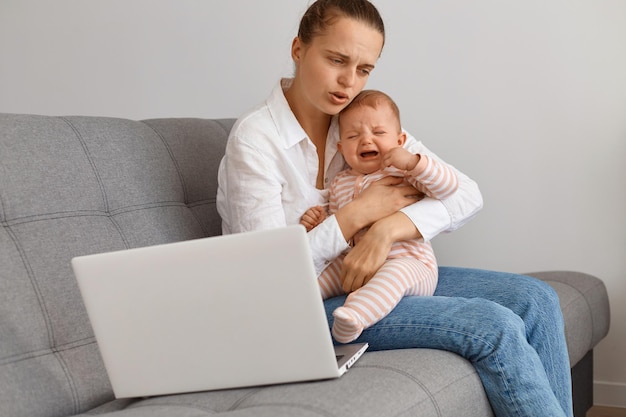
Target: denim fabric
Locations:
point(509, 326)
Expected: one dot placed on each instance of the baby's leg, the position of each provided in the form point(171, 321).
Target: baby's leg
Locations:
point(329, 282)
point(366, 306)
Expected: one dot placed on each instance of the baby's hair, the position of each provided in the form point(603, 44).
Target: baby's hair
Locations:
point(373, 98)
point(323, 13)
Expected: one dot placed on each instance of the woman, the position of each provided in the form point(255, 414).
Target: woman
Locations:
point(282, 155)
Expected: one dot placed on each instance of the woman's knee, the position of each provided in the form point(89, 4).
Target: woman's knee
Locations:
point(491, 327)
point(526, 296)
point(537, 298)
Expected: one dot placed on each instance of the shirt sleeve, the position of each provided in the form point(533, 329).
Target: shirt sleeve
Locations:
point(327, 242)
point(432, 216)
point(250, 190)
point(250, 198)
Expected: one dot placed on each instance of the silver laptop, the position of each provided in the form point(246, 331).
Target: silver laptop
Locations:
point(221, 312)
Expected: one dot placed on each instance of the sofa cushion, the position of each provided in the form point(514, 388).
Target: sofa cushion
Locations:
point(411, 382)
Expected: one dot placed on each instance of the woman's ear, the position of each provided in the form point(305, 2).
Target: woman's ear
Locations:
point(296, 49)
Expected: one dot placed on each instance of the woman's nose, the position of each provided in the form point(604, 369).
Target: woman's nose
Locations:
point(347, 77)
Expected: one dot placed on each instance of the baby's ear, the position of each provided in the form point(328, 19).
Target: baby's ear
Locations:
point(401, 138)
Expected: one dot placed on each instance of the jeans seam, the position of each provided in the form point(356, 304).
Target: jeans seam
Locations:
point(512, 398)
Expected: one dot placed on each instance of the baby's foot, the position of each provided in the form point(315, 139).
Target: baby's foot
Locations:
point(347, 326)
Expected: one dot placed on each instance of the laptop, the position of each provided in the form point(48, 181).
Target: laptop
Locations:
point(222, 312)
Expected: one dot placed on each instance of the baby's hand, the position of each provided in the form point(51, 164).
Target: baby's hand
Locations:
point(400, 158)
point(313, 217)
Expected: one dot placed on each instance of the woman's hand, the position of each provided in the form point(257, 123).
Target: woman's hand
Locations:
point(369, 254)
point(381, 199)
point(363, 260)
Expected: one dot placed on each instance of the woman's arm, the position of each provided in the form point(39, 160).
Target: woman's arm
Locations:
point(249, 191)
point(261, 187)
point(424, 219)
point(366, 257)
point(379, 200)
point(431, 216)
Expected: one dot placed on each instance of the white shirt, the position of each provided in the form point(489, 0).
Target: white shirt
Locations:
point(267, 179)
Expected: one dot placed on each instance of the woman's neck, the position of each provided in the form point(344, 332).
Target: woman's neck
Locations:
point(315, 124)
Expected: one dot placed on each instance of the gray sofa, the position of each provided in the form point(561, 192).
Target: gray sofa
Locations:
point(78, 185)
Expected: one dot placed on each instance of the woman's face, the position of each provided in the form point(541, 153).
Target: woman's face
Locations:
point(334, 67)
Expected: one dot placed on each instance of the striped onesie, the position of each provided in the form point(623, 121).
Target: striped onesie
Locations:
point(410, 267)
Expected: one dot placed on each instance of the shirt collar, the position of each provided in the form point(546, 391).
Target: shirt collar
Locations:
point(288, 126)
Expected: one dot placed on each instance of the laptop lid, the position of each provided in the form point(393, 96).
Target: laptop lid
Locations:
point(221, 312)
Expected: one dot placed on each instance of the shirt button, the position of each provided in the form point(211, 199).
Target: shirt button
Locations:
point(326, 180)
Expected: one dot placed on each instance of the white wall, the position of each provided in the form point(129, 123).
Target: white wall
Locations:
point(528, 97)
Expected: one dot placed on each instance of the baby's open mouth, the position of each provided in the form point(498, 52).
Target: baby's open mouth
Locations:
point(369, 154)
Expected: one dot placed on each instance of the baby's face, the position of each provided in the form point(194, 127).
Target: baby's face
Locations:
point(366, 134)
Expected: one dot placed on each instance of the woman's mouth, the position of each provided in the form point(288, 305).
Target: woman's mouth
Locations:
point(339, 98)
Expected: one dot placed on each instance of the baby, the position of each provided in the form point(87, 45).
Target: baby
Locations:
point(371, 140)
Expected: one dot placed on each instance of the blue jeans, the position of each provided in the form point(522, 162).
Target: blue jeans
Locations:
point(509, 326)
